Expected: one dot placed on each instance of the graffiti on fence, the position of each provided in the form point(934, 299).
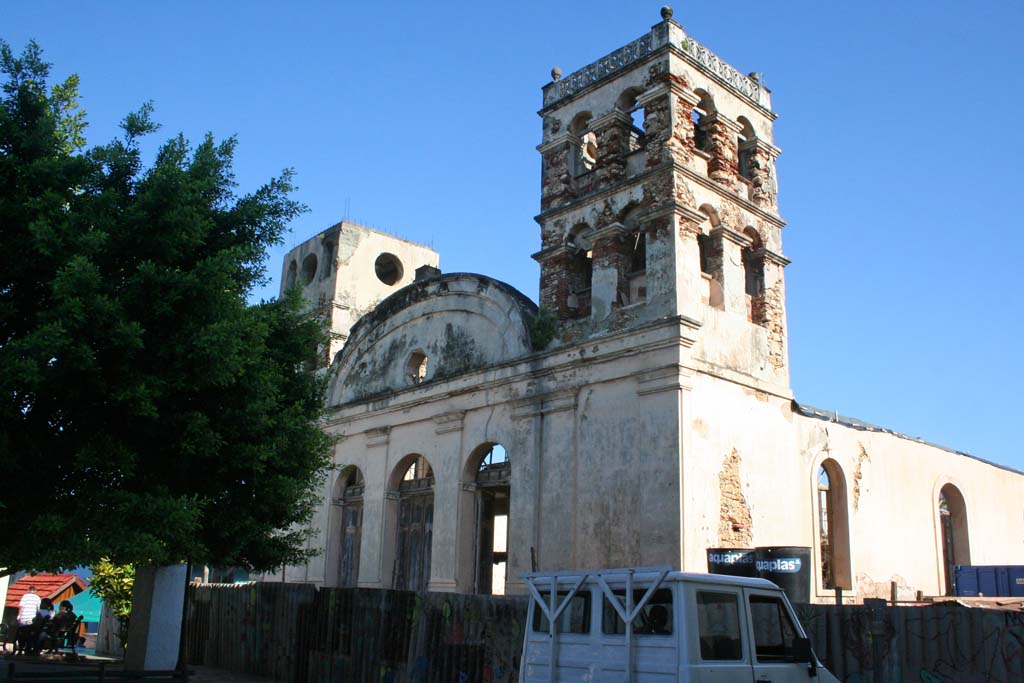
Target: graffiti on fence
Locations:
point(943, 643)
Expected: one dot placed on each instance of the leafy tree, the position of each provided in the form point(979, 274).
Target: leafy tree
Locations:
point(148, 414)
point(113, 584)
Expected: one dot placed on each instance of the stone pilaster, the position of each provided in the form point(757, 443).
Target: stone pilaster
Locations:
point(730, 245)
point(609, 270)
point(554, 281)
point(556, 171)
point(612, 132)
point(723, 146)
point(684, 100)
point(764, 189)
point(689, 284)
point(657, 104)
point(769, 309)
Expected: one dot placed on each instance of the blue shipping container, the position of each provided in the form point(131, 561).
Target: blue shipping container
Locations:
point(990, 581)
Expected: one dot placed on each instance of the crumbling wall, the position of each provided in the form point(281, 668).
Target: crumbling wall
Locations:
point(735, 526)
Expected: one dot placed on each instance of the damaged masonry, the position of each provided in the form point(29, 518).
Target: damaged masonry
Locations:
point(645, 414)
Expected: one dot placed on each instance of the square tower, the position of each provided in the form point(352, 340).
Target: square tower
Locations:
point(658, 198)
point(348, 269)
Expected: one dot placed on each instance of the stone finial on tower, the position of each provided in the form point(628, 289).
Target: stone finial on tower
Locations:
point(556, 73)
point(666, 12)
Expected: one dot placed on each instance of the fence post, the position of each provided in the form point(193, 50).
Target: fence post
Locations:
point(876, 629)
point(10, 672)
point(103, 672)
point(839, 596)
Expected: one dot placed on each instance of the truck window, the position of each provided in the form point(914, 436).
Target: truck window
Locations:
point(575, 618)
point(773, 631)
point(718, 626)
point(655, 617)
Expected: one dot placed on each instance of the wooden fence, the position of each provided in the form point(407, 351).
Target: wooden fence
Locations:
point(941, 643)
point(292, 632)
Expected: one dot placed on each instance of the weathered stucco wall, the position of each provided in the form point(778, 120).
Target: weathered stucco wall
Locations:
point(339, 273)
point(659, 421)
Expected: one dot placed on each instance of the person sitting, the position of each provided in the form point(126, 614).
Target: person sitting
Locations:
point(40, 626)
point(60, 631)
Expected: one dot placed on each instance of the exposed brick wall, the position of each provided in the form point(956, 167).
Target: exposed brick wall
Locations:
point(723, 166)
point(612, 150)
point(556, 178)
point(735, 525)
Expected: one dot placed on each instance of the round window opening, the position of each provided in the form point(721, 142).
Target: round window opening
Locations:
point(308, 269)
point(416, 368)
point(388, 268)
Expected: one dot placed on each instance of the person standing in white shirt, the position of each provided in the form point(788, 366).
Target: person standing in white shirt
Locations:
point(28, 607)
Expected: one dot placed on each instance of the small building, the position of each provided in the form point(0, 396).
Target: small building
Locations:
point(56, 587)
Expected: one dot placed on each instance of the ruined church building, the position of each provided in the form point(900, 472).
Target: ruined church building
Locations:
point(647, 414)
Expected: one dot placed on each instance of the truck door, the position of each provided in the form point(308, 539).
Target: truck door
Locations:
point(715, 635)
point(773, 637)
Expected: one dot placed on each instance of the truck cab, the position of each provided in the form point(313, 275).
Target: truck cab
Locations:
point(656, 625)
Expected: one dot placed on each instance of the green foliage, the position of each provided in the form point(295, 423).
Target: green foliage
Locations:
point(543, 328)
point(113, 584)
point(148, 414)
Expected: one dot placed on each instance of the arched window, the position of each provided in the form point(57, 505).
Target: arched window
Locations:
point(956, 546)
point(753, 267)
point(581, 270)
point(746, 144)
point(833, 527)
point(415, 523)
point(348, 504)
point(308, 268)
point(627, 103)
point(711, 255)
point(701, 134)
point(636, 278)
point(416, 368)
point(489, 467)
point(586, 153)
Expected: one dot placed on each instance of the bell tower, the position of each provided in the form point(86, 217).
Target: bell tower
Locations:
point(659, 199)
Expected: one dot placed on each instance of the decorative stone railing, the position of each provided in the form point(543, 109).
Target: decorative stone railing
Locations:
point(641, 48)
point(592, 73)
point(712, 62)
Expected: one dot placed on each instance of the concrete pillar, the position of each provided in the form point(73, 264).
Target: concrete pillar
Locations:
point(154, 633)
point(444, 538)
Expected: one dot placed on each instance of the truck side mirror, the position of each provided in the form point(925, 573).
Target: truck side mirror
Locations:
point(803, 654)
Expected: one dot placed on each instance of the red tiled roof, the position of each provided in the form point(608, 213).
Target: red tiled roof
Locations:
point(47, 586)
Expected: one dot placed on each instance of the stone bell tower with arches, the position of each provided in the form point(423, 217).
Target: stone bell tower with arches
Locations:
point(659, 199)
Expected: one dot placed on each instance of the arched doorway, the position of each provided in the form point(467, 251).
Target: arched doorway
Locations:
point(492, 472)
point(956, 546)
point(348, 501)
point(414, 481)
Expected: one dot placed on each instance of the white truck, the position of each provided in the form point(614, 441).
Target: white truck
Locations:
point(656, 625)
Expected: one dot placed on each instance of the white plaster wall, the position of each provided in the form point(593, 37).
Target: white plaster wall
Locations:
point(893, 494)
point(346, 281)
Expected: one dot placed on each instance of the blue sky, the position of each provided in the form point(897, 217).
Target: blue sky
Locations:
point(899, 173)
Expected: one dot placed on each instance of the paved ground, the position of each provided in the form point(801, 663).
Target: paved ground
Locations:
point(45, 663)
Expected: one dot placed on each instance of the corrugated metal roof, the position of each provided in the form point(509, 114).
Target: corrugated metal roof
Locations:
point(860, 425)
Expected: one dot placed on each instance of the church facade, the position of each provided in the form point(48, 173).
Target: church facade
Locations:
point(643, 414)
